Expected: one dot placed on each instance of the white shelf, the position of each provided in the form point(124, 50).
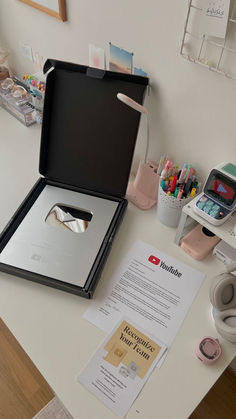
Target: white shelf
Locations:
point(224, 231)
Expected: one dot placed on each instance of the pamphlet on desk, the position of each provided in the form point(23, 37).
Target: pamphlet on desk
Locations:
point(150, 288)
point(120, 367)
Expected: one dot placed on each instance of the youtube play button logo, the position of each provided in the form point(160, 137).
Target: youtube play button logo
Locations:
point(154, 260)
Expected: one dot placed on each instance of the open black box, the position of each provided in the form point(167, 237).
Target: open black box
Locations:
point(87, 145)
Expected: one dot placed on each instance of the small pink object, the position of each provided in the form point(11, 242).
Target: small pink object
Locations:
point(208, 350)
point(143, 190)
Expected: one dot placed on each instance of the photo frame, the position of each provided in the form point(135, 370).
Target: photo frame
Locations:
point(55, 8)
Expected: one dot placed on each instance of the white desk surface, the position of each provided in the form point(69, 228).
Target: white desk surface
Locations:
point(48, 323)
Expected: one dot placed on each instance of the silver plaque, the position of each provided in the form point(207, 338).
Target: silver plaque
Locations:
point(61, 235)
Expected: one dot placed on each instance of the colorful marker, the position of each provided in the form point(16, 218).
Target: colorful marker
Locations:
point(173, 184)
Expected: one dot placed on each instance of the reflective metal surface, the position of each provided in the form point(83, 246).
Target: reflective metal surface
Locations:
point(39, 247)
point(73, 219)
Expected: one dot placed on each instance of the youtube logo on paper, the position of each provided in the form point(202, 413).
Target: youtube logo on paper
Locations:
point(154, 260)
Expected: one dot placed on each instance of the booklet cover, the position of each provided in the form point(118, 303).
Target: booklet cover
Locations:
point(121, 366)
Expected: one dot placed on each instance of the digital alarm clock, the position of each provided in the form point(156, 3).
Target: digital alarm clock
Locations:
point(218, 200)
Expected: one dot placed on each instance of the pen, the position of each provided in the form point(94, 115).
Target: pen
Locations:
point(180, 193)
point(173, 184)
point(190, 173)
point(183, 171)
point(164, 173)
point(193, 192)
point(189, 166)
point(161, 164)
point(168, 167)
point(176, 192)
point(187, 187)
point(175, 170)
point(163, 184)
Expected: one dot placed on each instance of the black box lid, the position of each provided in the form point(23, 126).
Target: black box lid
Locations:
point(88, 135)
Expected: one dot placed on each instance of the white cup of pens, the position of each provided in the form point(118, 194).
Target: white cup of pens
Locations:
point(177, 187)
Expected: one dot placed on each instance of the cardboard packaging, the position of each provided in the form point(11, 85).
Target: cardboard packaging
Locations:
point(61, 234)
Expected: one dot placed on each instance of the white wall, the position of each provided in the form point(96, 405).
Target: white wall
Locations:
point(192, 110)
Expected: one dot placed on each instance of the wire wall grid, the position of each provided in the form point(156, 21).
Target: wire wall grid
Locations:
point(213, 53)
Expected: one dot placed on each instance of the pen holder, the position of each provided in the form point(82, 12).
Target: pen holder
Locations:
point(169, 208)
